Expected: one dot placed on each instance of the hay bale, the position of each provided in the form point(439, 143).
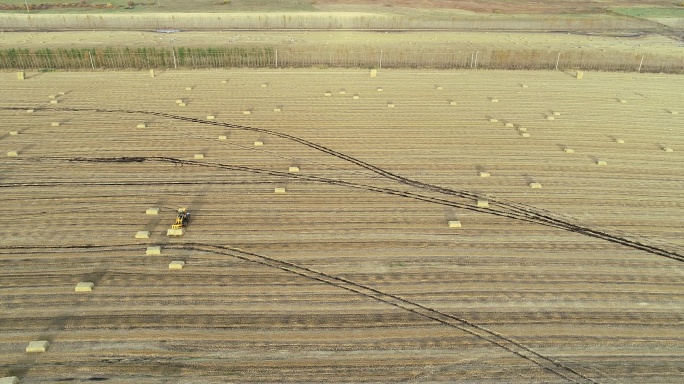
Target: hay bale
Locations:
point(279, 190)
point(176, 264)
point(293, 169)
point(454, 224)
point(84, 286)
point(451, 102)
point(142, 235)
point(198, 156)
point(674, 113)
point(54, 101)
point(481, 203)
point(328, 93)
point(9, 380)
point(439, 88)
point(182, 104)
point(619, 141)
point(390, 105)
point(524, 86)
point(569, 150)
point(277, 109)
point(258, 143)
point(264, 85)
point(373, 73)
point(29, 111)
point(550, 118)
point(379, 89)
point(151, 251)
point(223, 137)
point(494, 100)
point(14, 133)
point(556, 113)
point(509, 125)
point(211, 117)
point(484, 174)
point(601, 162)
point(579, 75)
point(151, 72)
point(247, 112)
point(152, 211)
point(535, 185)
point(224, 81)
point(21, 75)
point(12, 154)
point(140, 126)
point(525, 135)
point(623, 101)
point(343, 92)
point(355, 97)
point(175, 232)
point(178, 101)
point(522, 129)
point(188, 88)
point(668, 149)
point(493, 120)
point(52, 97)
point(61, 93)
point(39, 346)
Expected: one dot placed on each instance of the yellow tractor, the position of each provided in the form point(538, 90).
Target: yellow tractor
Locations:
point(182, 220)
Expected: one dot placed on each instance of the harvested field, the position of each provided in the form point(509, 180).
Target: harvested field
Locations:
point(324, 20)
point(547, 7)
point(434, 8)
point(353, 274)
point(352, 40)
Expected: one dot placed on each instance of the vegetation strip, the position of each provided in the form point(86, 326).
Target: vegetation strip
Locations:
point(46, 59)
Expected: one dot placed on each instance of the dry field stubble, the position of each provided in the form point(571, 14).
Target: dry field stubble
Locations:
point(353, 274)
point(357, 19)
point(432, 8)
point(547, 7)
point(350, 40)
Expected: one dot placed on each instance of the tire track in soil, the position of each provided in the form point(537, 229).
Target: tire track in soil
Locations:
point(506, 343)
point(522, 211)
point(513, 210)
point(306, 178)
point(464, 325)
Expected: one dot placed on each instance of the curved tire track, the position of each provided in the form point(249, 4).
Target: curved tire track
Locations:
point(480, 332)
point(522, 211)
point(508, 209)
point(464, 325)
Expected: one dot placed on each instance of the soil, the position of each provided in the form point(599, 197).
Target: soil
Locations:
point(353, 274)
